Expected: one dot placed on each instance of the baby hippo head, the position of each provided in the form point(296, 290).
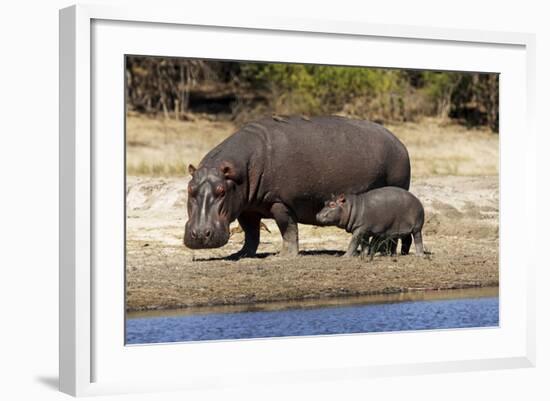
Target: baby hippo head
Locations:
point(331, 214)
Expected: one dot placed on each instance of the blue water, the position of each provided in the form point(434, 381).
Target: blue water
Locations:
point(368, 318)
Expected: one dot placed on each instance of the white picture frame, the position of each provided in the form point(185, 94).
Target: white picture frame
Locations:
point(93, 358)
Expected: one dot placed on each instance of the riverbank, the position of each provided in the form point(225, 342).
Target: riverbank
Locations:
point(409, 296)
point(461, 231)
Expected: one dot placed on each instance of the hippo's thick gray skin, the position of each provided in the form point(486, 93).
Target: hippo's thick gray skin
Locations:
point(387, 213)
point(285, 169)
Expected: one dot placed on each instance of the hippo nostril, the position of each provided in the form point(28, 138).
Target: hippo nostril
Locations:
point(207, 233)
point(194, 234)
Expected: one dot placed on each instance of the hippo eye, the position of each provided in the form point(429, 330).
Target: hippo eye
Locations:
point(220, 190)
point(332, 204)
point(191, 190)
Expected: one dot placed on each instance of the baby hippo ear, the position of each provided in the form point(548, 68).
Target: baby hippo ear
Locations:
point(191, 169)
point(341, 198)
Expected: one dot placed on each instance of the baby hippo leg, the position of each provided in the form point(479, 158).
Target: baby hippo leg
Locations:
point(375, 245)
point(393, 246)
point(353, 244)
point(382, 247)
point(365, 246)
point(418, 243)
point(380, 244)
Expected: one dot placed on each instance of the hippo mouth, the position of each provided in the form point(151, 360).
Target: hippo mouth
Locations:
point(205, 239)
point(322, 219)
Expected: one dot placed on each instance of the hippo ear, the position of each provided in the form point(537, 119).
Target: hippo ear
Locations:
point(191, 169)
point(230, 172)
point(341, 198)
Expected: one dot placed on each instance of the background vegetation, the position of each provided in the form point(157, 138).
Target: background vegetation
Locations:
point(182, 88)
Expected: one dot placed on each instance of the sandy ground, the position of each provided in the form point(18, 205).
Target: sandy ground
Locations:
point(461, 232)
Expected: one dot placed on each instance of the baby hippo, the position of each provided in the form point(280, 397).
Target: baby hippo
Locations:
point(386, 213)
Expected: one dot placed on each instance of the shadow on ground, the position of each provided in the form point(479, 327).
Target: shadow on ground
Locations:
point(52, 382)
point(264, 255)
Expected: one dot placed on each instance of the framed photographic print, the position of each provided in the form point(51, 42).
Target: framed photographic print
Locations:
point(279, 200)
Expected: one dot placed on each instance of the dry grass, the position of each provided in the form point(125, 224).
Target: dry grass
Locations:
point(165, 147)
point(161, 147)
point(438, 147)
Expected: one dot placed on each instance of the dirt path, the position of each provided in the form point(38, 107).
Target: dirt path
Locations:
point(461, 231)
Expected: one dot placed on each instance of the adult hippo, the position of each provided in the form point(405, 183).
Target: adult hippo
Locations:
point(285, 169)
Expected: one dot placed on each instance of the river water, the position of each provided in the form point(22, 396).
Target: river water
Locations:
point(399, 312)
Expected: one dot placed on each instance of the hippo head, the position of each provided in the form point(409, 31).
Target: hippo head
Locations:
point(212, 203)
point(333, 211)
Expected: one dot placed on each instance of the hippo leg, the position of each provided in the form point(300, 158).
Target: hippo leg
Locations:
point(353, 244)
point(288, 226)
point(382, 247)
point(418, 243)
point(393, 246)
point(250, 223)
point(374, 246)
point(365, 246)
point(406, 242)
